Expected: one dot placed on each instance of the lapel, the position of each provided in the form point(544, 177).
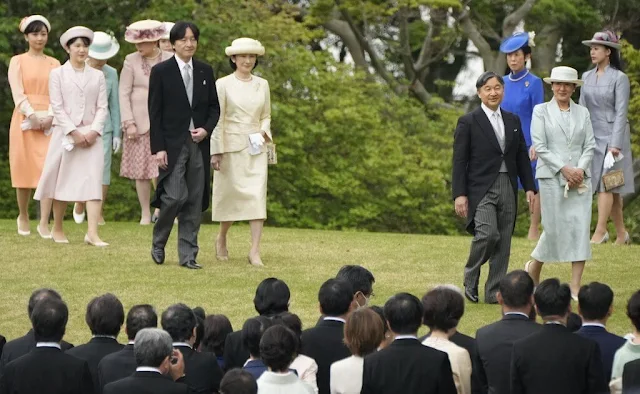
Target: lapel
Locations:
point(198, 80)
point(510, 129)
point(574, 118)
point(70, 73)
point(177, 75)
point(486, 127)
point(554, 111)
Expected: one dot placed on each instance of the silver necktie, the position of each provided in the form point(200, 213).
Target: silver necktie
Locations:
point(188, 82)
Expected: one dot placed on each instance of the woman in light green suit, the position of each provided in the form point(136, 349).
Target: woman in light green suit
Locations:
point(563, 138)
point(104, 47)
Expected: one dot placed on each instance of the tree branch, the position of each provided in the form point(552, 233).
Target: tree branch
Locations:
point(405, 47)
point(476, 37)
point(342, 30)
point(512, 20)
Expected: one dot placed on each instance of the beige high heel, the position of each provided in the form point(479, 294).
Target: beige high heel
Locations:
point(256, 262)
point(88, 241)
point(221, 257)
point(604, 239)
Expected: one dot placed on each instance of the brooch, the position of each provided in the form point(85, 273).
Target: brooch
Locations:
point(526, 84)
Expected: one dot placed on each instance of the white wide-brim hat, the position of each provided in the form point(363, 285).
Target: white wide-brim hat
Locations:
point(75, 32)
point(104, 46)
point(147, 30)
point(606, 38)
point(245, 46)
point(27, 20)
point(167, 29)
point(564, 74)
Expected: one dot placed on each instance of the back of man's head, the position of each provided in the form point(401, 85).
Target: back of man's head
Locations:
point(633, 310)
point(49, 320)
point(238, 381)
point(594, 301)
point(272, 297)
point(252, 331)
point(404, 313)
point(39, 295)
point(140, 317)
point(152, 346)
point(105, 315)
point(335, 297)
point(179, 321)
point(360, 278)
point(553, 298)
point(516, 289)
point(278, 347)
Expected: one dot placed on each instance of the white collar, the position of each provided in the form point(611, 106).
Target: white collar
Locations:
point(489, 112)
point(558, 323)
point(517, 313)
point(593, 325)
point(405, 337)
point(148, 369)
point(104, 336)
point(131, 342)
point(331, 318)
point(49, 344)
point(184, 344)
point(181, 63)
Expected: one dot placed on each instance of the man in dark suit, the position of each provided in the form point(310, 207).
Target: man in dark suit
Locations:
point(183, 110)
point(160, 369)
point(631, 378)
point(554, 360)
point(23, 345)
point(324, 342)
point(361, 279)
point(271, 299)
point(495, 341)
point(595, 307)
point(46, 369)
point(489, 155)
point(3, 340)
point(104, 317)
point(202, 369)
point(122, 363)
point(406, 366)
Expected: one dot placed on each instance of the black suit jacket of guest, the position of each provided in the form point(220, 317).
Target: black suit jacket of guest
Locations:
point(235, 353)
point(631, 378)
point(324, 343)
point(46, 370)
point(607, 342)
point(478, 381)
point(495, 345)
point(556, 361)
point(3, 340)
point(407, 366)
point(477, 158)
point(170, 115)
point(93, 352)
point(116, 366)
point(146, 383)
point(202, 372)
point(21, 346)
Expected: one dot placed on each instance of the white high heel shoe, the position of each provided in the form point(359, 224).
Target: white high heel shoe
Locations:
point(78, 217)
point(604, 239)
point(88, 241)
point(22, 232)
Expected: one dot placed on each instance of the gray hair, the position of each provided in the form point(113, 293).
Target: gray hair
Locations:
point(151, 347)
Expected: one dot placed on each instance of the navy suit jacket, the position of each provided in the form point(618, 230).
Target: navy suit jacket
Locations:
point(607, 342)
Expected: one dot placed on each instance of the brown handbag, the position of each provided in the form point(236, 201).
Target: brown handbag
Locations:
point(613, 179)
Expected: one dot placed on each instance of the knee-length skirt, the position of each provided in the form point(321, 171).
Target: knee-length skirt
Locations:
point(137, 161)
point(566, 223)
point(240, 187)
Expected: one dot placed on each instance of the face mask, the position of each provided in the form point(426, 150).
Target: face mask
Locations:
point(366, 302)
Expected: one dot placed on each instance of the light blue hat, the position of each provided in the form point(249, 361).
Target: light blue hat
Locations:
point(104, 46)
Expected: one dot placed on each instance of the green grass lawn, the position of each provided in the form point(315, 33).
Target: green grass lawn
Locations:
point(302, 258)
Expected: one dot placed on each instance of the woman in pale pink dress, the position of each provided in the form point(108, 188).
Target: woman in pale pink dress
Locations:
point(137, 162)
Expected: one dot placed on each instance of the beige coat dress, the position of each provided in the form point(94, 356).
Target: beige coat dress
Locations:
point(240, 187)
point(79, 102)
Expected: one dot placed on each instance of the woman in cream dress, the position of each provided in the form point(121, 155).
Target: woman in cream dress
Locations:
point(73, 167)
point(30, 128)
point(563, 139)
point(238, 151)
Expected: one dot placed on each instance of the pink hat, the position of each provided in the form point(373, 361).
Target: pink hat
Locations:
point(144, 31)
point(27, 20)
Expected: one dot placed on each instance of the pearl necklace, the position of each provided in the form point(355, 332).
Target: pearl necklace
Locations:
point(517, 79)
point(242, 79)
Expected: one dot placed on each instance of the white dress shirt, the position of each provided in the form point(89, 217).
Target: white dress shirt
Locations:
point(495, 118)
point(49, 344)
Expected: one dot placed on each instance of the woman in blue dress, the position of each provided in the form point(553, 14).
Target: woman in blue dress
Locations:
point(522, 92)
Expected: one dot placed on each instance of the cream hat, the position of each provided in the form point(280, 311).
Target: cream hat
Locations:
point(564, 74)
point(104, 46)
point(167, 29)
point(74, 32)
point(606, 38)
point(245, 46)
point(147, 30)
point(26, 21)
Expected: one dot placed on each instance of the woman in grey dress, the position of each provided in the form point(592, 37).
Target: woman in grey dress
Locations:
point(606, 94)
point(563, 138)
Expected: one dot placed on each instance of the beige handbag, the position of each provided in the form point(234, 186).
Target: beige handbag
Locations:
point(613, 179)
point(272, 154)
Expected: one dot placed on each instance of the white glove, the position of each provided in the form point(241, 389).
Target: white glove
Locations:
point(256, 139)
point(609, 161)
point(67, 143)
point(117, 144)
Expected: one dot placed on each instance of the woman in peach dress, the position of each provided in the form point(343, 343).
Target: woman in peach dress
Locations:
point(31, 120)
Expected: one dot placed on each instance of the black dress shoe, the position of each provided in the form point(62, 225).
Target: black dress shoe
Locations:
point(192, 265)
point(471, 294)
point(157, 255)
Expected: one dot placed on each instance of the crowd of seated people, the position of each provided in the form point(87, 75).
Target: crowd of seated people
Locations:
point(353, 348)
